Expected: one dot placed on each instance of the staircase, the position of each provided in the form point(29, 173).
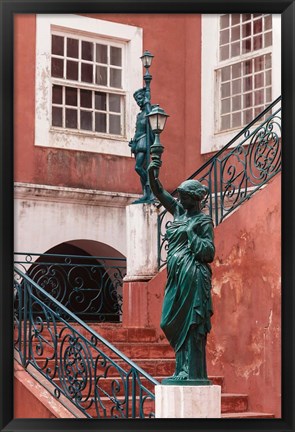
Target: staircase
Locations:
point(156, 357)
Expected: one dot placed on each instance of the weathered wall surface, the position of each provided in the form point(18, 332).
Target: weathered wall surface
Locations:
point(176, 87)
point(245, 342)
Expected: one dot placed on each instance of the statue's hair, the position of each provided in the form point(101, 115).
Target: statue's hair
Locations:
point(194, 188)
point(141, 90)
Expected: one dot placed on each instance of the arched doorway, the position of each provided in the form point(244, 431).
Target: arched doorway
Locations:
point(85, 276)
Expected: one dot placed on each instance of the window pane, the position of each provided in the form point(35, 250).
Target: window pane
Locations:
point(115, 124)
point(235, 33)
point(116, 56)
point(267, 23)
point(235, 19)
point(72, 48)
point(248, 116)
point(246, 46)
point(247, 67)
point(248, 83)
point(257, 42)
point(246, 17)
point(86, 120)
point(236, 70)
point(236, 119)
point(87, 72)
point(115, 78)
point(268, 39)
point(224, 21)
point(224, 52)
point(258, 97)
point(57, 68)
point(57, 116)
point(247, 100)
point(259, 80)
point(268, 95)
point(71, 118)
point(100, 122)
point(225, 106)
point(225, 90)
point(101, 53)
point(115, 103)
point(57, 45)
point(235, 49)
point(101, 75)
point(257, 26)
point(225, 74)
point(268, 61)
point(57, 94)
point(100, 101)
point(225, 122)
point(259, 63)
point(86, 98)
point(72, 70)
point(87, 50)
point(224, 37)
point(236, 86)
point(246, 30)
point(71, 96)
point(236, 103)
point(268, 78)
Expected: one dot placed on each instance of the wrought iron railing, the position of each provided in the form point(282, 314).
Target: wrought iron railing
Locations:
point(89, 286)
point(79, 365)
point(237, 171)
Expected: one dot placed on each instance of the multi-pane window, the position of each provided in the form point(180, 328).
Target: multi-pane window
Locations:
point(87, 85)
point(244, 76)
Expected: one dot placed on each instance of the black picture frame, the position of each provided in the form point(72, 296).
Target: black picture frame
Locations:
point(10, 7)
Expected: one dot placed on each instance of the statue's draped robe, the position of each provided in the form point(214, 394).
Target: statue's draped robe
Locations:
point(187, 299)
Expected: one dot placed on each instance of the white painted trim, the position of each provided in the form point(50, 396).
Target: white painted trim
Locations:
point(210, 141)
point(131, 36)
point(37, 192)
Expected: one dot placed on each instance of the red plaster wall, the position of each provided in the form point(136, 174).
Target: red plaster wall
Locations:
point(244, 344)
point(175, 42)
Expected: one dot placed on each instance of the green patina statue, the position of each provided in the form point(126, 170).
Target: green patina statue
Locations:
point(141, 142)
point(187, 305)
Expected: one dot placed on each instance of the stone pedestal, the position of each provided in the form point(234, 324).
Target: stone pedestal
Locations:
point(187, 401)
point(142, 242)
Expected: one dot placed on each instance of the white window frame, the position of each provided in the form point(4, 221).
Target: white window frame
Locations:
point(210, 140)
point(125, 35)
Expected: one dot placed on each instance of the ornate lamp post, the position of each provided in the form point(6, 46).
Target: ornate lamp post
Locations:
point(141, 142)
point(157, 118)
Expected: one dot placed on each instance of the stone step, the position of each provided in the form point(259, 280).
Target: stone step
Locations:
point(237, 402)
point(132, 350)
point(109, 383)
point(111, 332)
point(246, 414)
point(234, 403)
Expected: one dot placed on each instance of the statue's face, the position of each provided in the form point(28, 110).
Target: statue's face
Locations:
point(139, 99)
point(187, 201)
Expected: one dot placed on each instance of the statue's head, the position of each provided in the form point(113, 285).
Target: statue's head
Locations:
point(194, 188)
point(139, 96)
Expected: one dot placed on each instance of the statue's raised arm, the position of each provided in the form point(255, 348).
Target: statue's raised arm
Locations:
point(165, 198)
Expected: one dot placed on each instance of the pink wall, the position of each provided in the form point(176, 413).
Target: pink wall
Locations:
point(175, 42)
point(244, 344)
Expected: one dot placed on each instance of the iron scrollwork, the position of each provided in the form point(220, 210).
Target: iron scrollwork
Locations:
point(238, 170)
point(79, 364)
point(91, 287)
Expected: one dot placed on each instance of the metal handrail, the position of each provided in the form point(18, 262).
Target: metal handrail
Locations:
point(90, 286)
point(234, 174)
point(73, 358)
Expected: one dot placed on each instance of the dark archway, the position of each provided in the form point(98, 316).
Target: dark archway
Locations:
point(89, 286)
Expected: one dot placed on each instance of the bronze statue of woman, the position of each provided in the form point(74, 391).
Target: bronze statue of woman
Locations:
point(187, 305)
